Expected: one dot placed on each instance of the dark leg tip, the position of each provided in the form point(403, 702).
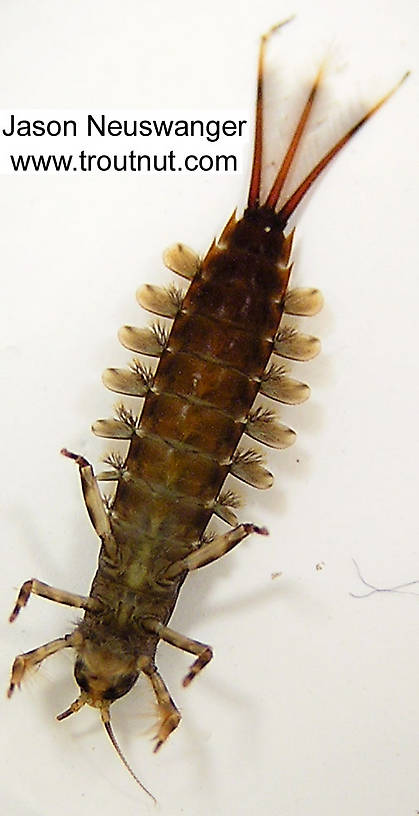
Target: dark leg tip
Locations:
point(65, 452)
point(80, 460)
point(262, 531)
point(253, 528)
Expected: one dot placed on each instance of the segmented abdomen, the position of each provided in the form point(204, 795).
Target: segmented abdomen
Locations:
point(199, 402)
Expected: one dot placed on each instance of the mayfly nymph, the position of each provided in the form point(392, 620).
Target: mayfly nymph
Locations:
point(214, 362)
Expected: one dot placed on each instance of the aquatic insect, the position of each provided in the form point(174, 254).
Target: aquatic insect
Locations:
point(213, 364)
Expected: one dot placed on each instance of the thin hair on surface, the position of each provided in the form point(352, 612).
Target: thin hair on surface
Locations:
point(399, 588)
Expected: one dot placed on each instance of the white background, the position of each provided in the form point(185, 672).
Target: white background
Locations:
point(310, 705)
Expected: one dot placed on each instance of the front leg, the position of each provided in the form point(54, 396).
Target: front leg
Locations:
point(53, 594)
point(25, 661)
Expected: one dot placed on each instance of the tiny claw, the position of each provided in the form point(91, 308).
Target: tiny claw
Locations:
point(10, 690)
point(167, 725)
point(14, 614)
point(79, 460)
point(22, 599)
point(262, 531)
point(18, 670)
point(65, 452)
point(197, 665)
point(253, 528)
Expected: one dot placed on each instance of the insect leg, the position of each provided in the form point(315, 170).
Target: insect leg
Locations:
point(169, 714)
point(203, 651)
point(94, 502)
point(53, 594)
point(214, 549)
point(23, 662)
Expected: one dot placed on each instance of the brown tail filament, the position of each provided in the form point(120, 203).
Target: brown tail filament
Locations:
point(292, 203)
point(279, 182)
point(254, 189)
point(288, 208)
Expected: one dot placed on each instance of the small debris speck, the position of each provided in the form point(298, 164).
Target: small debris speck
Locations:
point(320, 566)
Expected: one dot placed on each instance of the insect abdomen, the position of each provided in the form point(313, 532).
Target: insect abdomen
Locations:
point(206, 382)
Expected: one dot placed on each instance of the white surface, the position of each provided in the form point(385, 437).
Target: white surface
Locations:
point(310, 705)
